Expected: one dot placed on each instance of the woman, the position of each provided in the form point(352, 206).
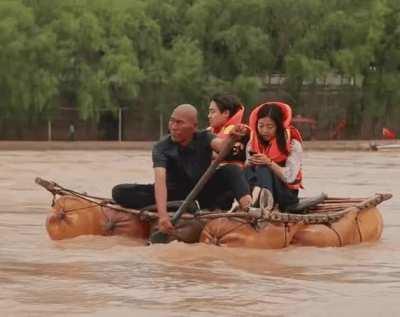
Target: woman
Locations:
point(275, 154)
point(224, 112)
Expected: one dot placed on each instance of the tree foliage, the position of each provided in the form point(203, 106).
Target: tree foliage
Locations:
point(101, 55)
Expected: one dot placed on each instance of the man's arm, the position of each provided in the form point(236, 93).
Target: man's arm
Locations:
point(237, 132)
point(217, 144)
point(160, 192)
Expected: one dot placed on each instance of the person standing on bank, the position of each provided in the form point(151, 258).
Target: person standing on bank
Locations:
point(224, 112)
point(71, 132)
point(275, 154)
point(179, 160)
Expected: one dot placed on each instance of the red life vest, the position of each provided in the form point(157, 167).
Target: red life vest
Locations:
point(272, 150)
point(388, 134)
point(238, 153)
point(223, 131)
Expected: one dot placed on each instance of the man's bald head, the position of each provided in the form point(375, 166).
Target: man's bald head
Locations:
point(183, 123)
point(187, 111)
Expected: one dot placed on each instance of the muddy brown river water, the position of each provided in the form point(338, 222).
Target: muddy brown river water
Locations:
point(111, 276)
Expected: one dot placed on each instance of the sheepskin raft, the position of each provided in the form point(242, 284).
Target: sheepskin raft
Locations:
point(331, 221)
point(335, 222)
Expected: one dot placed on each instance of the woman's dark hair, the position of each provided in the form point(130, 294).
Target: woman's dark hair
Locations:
point(274, 112)
point(227, 102)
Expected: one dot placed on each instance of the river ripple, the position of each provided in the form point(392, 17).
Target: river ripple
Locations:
point(113, 275)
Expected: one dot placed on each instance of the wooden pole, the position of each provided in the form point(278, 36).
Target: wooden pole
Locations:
point(161, 125)
point(49, 136)
point(120, 124)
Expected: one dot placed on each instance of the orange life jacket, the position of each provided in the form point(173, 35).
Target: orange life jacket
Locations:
point(388, 134)
point(272, 150)
point(223, 131)
point(238, 153)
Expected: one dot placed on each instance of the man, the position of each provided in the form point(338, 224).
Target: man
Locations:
point(224, 113)
point(71, 132)
point(179, 160)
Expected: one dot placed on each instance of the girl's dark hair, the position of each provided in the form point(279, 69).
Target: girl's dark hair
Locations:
point(274, 112)
point(227, 102)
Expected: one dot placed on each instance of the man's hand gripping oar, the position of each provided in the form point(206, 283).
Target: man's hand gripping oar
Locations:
point(238, 132)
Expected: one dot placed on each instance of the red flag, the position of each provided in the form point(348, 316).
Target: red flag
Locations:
point(388, 134)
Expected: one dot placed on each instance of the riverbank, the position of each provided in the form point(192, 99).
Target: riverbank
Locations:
point(341, 145)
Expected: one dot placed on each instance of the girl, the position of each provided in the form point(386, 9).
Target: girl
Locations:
point(275, 155)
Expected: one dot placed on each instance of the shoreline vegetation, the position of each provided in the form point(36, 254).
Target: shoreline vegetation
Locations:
point(102, 68)
point(337, 145)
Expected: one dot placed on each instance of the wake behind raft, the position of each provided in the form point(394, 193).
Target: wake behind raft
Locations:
point(323, 222)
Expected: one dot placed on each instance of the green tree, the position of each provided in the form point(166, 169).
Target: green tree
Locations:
point(28, 64)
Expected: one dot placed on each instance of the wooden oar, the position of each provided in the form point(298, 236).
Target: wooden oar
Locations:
point(161, 237)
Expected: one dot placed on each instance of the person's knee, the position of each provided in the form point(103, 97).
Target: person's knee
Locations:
point(121, 191)
point(234, 167)
point(265, 177)
point(263, 168)
point(230, 169)
point(133, 195)
point(117, 192)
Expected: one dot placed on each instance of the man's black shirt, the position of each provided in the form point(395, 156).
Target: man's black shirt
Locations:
point(184, 164)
